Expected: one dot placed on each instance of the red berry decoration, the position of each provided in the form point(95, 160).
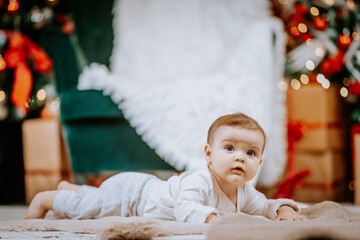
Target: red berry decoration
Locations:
point(297, 18)
point(354, 88)
point(320, 23)
point(330, 66)
point(301, 8)
point(305, 36)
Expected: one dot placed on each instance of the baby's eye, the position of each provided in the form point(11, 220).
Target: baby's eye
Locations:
point(229, 148)
point(251, 153)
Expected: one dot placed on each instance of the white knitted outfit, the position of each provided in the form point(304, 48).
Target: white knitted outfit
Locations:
point(120, 195)
point(190, 197)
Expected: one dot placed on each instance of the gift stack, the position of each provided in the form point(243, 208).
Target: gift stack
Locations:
point(355, 149)
point(317, 113)
point(45, 159)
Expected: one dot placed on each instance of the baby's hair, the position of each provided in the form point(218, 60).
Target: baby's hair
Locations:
point(239, 120)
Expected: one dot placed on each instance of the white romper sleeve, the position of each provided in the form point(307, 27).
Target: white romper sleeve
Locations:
point(194, 202)
point(254, 202)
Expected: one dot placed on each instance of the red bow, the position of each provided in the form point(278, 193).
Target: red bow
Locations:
point(21, 48)
point(296, 131)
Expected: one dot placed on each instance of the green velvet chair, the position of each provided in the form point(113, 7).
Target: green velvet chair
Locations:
point(98, 136)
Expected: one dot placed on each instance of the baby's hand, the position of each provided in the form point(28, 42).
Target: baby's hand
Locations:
point(211, 218)
point(288, 213)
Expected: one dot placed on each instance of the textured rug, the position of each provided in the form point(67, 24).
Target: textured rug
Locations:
point(327, 220)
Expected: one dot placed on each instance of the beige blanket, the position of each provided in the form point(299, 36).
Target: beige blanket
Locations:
point(327, 220)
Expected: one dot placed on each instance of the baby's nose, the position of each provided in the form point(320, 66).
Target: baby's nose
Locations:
point(239, 156)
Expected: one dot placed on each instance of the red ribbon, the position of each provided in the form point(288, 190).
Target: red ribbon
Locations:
point(21, 48)
point(297, 130)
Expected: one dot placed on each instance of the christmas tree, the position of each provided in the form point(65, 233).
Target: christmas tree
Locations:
point(323, 45)
point(25, 69)
point(26, 86)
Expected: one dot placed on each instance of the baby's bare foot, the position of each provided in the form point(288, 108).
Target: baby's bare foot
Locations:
point(36, 209)
point(65, 185)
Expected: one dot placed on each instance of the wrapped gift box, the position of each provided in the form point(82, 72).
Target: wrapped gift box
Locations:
point(45, 159)
point(326, 180)
point(356, 142)
point(325, 167)
point(315, 194)
point(319, 110)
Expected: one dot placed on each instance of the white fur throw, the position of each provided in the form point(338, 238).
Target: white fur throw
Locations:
point(328, 220)
point(178, 65)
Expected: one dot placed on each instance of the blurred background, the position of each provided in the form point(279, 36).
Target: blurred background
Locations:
point(50, 130)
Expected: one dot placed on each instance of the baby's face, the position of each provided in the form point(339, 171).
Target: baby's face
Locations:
point(235, 154)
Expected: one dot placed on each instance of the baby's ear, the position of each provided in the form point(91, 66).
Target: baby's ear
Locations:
point(207, 151)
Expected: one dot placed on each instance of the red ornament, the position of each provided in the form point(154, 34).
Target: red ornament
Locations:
point(68, 27)
point(296, 18)
point(344, 41)
point(305, 36)
point(320, 23)
point(354, 88)
point(331, 65)
point(301, 8)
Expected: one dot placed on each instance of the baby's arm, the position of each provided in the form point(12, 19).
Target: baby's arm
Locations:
point(276, 209)
point(288, 213)
point(192, 202)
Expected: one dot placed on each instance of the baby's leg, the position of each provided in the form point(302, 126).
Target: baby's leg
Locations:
point(65, 185)
point(41, 204)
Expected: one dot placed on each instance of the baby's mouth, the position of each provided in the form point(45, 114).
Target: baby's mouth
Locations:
point(238, 169)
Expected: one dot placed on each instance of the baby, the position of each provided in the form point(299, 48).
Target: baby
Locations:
point(233, 153)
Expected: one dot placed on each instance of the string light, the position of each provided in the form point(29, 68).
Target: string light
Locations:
point(319, 52)
point(355, 36)
point(310, 65)
point(314, 11)
point(2, 96)
point(37, 17)
point(41, 95)
point(13, 6)
point(294, 30)
point(304, 79)
point(302, 27)
point(295, 84)
point(2, 63)
point(325, 84)
point(344, 92)
point(346, 82)
point(329, 2)
point(282, 86)
point(320, 78)
point(350, 4)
